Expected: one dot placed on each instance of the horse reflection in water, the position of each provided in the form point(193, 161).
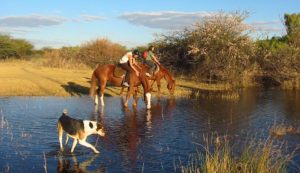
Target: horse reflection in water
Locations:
point(158, 112)
point(66, 165)
point(136, 124)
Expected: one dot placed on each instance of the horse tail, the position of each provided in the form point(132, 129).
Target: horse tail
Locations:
point(93, 84)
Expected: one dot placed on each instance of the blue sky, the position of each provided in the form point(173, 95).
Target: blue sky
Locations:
point(57, 23)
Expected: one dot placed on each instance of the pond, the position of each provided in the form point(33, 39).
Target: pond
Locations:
point(137, 140)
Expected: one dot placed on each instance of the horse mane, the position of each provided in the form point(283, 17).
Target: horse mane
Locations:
point(167, 73)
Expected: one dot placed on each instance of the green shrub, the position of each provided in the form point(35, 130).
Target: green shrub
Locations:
point(14, 48)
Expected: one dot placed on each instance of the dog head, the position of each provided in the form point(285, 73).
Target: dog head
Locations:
point(100, 129)
point(93, 127)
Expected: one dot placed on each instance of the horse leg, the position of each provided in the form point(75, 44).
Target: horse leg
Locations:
point(129, 92)
point(158, 87)
point(96, 97)
point(151, 85)
point(102, 88)
point(134, 103)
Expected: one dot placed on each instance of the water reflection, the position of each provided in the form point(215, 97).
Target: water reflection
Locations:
point(137, 139)
point(67, 164)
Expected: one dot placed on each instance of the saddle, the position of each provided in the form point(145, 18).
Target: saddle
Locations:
point(119, 72)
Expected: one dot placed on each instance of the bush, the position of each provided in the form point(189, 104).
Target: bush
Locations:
point(279, 57)
point(218, 48)
point(65, 57)
point(101, 51)
point(14, 48)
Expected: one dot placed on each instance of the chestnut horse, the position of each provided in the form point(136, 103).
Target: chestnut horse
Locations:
point(105, 73)
point(160, 74)
point(163, 73)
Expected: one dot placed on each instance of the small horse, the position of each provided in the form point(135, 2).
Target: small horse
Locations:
point(161, 73)
point(105, 74)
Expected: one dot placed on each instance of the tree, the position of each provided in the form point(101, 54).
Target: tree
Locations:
point(14, 48)
point(292, 23)
point(216, 48)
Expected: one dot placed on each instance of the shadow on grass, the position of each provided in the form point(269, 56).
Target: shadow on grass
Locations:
point(75, 90)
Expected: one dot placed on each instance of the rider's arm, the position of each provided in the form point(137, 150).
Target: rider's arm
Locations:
point(154, 58)
point(131, 64)
point(136, 65)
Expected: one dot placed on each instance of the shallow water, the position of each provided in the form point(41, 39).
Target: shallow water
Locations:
point(136, 140)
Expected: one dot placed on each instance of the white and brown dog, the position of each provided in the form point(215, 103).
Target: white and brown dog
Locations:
point(79, 130)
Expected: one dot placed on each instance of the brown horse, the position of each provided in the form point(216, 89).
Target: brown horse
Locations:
point(160, 74)
point(163, 73)
point(105, 73)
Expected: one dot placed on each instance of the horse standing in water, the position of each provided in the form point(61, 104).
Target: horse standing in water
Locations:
point(161, 73)
point(105, 73)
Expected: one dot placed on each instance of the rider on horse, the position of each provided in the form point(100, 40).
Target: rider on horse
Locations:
point(128, 63)
point(150, 59)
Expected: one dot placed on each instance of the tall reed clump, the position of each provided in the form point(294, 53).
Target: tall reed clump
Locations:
point(222, 157)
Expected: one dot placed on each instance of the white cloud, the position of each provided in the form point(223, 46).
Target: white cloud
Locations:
point(31, 21)
point(40, 43)
point(172, 20)
point(165, 19)
point(268, 26)
point(90, 18)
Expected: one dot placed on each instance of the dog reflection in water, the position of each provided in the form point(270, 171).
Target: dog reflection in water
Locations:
point(79, 130)
point(67, 165)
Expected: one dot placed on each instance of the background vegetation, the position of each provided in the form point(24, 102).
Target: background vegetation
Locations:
point(14, 48)
point(216, 50)
point(220, 49)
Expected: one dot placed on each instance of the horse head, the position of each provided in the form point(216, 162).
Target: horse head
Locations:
point(171, 86)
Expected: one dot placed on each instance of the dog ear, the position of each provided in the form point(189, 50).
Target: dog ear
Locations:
point(99, 126)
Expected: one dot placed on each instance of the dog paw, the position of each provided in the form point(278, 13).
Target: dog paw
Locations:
point(96, 151)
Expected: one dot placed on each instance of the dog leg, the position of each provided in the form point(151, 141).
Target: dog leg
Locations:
point(84, 143)
point(74, 145)
point(60, 135)
point(67, 139)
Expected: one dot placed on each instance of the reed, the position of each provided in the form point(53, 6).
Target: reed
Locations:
point(221, 156)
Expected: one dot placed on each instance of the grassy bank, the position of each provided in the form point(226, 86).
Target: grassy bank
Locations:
point(221, 156)
point(29, 78)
